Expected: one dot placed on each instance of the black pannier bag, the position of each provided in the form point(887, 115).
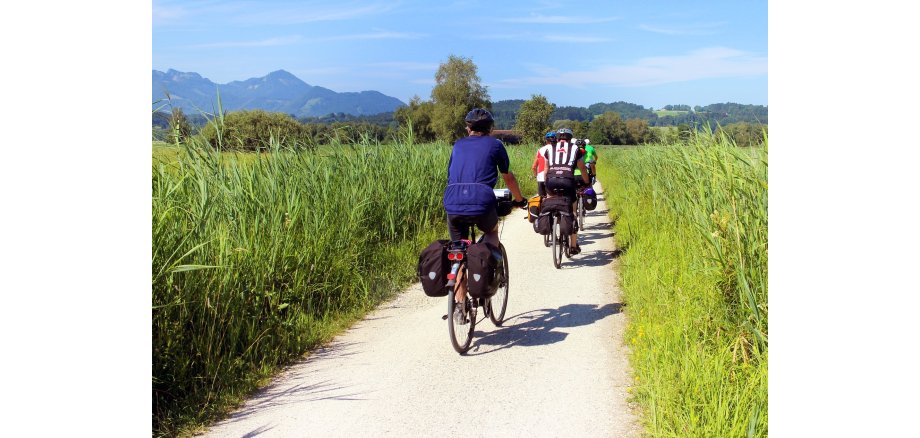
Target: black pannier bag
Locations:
point(433, 268)
point(544, 224)
point(483, 265)
point(560, 204)
point(590, 200)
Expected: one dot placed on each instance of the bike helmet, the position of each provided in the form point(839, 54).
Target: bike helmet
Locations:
point(551, 134)
point(579, 142)
point(564, 131)
point(479, 119)
point(587, 141)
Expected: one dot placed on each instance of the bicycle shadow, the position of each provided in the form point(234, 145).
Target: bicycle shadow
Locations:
point(540, 329)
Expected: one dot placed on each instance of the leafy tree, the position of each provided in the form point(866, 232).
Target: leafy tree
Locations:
point(505, 111)
point(418, 114)
point(744, 134)
point(608, 128)
point(579, 128)
point(533, 118)
point(638, 131)
point(458, 89)
point(179, 127)
point(253, 130)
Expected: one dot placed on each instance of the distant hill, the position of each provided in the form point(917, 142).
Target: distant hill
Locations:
point(278, 91)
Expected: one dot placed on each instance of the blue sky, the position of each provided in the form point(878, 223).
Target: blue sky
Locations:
point(574, 53)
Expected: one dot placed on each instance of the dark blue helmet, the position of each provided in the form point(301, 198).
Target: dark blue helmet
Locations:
point(479, 119)
point(551, 134)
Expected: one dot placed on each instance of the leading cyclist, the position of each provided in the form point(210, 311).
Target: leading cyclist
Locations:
point(475, 162)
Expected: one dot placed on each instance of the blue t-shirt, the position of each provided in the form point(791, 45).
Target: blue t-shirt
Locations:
point(472, 173)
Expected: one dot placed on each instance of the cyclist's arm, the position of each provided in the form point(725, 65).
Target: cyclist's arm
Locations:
point(512, 184)
point(536, 160)
point(584, 171)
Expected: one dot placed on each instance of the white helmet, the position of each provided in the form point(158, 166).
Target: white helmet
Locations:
point(587, 141)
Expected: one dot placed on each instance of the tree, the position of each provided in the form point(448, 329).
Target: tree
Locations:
point(458, 90)
point(607, 128)
point(418, 115)
point(533, 118)
point(179, 127)
point(638, 132)
point(254, 130)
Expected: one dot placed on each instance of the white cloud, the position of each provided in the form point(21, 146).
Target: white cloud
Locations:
point(706, 63)
point(278, 41)
point(432, 66)
point(299, 14)
point(575, 39)
point(382, 35)
point(557, 19)
point(695, 29)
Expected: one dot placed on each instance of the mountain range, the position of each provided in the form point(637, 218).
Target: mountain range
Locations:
point(278, 91)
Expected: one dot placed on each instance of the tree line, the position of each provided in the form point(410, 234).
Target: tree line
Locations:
point(458, 88)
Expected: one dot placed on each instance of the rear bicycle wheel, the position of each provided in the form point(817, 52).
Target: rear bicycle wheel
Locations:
point(557, 243)
point(499, 302)
point(461, 319)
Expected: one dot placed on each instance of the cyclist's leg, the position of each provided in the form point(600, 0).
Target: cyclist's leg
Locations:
point(573, 238)
point(541, 188)
point(488, 224)
point(459, 228)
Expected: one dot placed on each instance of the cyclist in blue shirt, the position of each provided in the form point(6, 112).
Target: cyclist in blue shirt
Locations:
point(475, 162)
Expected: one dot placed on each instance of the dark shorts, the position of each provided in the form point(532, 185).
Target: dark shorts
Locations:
point(541, 188)
point(459, 225)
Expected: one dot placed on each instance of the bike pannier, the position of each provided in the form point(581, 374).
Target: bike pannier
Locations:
point(433, 268)
point(484, 264)
point(545, 224)
point(533, 208)
point(590, 200)
point(561, 205)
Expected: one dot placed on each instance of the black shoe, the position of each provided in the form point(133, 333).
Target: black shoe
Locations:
point(574, 250)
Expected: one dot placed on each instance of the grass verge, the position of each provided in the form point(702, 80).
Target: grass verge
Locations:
point(691, 220)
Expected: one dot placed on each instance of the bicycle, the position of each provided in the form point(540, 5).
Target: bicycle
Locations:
point(461, 317)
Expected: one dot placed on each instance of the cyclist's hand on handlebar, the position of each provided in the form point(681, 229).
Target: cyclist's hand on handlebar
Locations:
point(519, 204)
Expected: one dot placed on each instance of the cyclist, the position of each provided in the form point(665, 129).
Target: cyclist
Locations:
point(539, 165)
point(591, 157)
point(472, 172)
point(566, 157)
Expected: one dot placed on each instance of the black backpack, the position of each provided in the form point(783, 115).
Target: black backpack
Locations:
point(483, 265)
point(433, 268)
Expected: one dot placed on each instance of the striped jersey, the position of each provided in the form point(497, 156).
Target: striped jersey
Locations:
point(562, 153)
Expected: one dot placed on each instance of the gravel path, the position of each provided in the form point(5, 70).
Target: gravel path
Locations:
point(557, 367)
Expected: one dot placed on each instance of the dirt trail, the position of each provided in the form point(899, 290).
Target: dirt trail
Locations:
point(557, 367)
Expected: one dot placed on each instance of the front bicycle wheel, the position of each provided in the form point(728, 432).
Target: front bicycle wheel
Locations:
point(461, 319)
point(499, 302)
point(557, 244)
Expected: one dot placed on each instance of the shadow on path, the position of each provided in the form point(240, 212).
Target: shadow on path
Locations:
point(537, 327)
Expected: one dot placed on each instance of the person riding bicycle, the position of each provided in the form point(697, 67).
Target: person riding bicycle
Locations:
point(566, 157)
point(472, 172)
point(591, 157)
point(539, 165)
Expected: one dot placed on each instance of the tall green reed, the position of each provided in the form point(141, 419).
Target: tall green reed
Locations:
point(259, 257)
point(692, 222)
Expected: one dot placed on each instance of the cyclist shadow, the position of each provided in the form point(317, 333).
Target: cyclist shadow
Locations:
point(538, 326)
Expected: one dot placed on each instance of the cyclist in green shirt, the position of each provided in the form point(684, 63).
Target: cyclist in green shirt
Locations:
point(590, 158)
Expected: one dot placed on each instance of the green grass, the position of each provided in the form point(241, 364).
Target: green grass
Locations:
point(662, 113)
point(257, 258)
point(692, 222)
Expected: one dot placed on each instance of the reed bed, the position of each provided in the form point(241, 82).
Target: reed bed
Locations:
point(257, 258)
point(691, 222)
